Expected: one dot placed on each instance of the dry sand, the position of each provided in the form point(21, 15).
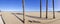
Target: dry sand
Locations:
point(10, 18)
point(1, 22)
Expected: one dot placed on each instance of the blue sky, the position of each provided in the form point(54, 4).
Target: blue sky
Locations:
point(30, 5)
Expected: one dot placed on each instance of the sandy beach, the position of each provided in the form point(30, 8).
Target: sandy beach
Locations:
point(30, 18)
point(1, 22)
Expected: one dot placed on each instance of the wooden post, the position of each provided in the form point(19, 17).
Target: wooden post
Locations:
point(46, 9)
point(53, 9)
point(40, 8)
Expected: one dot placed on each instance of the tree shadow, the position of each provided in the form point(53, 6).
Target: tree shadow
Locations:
point(52, 21)
point(32, 16)
point(33, 21)
point(36, 18)
point(43, 18)
point(18, 17)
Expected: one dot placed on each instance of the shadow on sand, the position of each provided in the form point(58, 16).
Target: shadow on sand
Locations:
point(18, 17)
point(52, 21)
point(33, 21)
point(43, 18)
point(36, 18)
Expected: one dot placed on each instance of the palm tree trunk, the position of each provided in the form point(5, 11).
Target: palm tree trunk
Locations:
point(40, 8)
point(46, 9)
point(53, 9)
point(23, 11)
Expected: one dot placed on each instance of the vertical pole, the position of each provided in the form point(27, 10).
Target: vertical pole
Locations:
point(40, 8)
point(23, 12)
point(46, 8)
point(53, 9)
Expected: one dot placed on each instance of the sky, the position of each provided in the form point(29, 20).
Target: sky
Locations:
point(30, 5)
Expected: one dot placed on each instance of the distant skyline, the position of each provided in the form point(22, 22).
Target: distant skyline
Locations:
point(30, 5)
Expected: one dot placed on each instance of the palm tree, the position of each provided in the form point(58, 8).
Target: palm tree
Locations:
point(46, 8)
point(40, 8)
point(23, 11)
point(53, 9)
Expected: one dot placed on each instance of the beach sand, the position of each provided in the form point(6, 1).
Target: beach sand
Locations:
point(1, 22)
point(30, 18)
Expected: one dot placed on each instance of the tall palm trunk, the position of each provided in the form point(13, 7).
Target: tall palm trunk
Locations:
point(23, 11)
point(40, 8)
point(46, 9)
point(53, 9)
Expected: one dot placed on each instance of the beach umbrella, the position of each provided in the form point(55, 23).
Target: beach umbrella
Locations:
point(23, 11)
point(53, 9)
